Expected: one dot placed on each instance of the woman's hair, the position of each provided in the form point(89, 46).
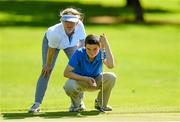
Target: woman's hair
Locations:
point(71, 11)
point(92, 39)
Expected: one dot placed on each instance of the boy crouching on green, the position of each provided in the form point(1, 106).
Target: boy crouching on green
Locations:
point(84, 71)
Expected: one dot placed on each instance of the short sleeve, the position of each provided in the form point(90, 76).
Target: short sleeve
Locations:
point(53, 40)
point(74, 59)
point(53, 44)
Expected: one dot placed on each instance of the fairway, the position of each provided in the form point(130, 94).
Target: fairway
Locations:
point(147, 63)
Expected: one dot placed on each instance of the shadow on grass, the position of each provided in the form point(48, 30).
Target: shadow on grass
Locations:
point(59, 114)
point(45, 13)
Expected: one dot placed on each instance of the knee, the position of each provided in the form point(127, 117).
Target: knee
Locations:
point(112, 78)
point(70, 87)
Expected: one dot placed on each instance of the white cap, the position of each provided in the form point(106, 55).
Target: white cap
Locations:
point(70, 18)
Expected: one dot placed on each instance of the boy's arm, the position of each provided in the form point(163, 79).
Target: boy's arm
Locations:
point(109, 62)
point(69, 74)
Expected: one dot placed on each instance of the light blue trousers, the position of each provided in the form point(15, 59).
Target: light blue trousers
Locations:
point(43, 81)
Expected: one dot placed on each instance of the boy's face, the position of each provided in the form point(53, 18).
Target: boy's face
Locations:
point(92, 50)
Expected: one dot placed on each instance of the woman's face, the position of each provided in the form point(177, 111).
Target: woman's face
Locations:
point(69, 26)
point(92, 50)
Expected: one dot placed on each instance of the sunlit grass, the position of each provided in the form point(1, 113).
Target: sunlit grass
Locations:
point(146, 56)
point(146, 67)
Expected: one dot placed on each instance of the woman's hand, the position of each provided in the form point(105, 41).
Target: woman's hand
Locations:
point(46, 71)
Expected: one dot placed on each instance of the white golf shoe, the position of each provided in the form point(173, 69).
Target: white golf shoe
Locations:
point(34, 108)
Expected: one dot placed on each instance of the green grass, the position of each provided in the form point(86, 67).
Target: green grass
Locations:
point(147, 67)
point(12, 13)
point(147, 56)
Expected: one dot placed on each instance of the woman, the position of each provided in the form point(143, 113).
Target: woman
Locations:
point(68, 35)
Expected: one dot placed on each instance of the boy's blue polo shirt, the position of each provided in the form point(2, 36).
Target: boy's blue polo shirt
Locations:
point(82, 66)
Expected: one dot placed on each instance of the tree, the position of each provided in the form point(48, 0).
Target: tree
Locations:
point(136, 5)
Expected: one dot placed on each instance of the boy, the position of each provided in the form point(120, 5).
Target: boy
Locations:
point(84, 71)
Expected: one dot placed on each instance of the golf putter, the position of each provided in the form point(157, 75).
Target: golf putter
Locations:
point(102, 95)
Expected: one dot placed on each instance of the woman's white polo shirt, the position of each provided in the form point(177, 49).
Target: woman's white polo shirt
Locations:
point(57, 37)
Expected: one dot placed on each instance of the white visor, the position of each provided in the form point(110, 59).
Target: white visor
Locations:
point(70, 18)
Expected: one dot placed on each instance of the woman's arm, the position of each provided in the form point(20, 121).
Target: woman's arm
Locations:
point(47, 68)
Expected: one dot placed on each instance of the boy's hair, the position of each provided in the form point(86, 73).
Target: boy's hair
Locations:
point(92, 39)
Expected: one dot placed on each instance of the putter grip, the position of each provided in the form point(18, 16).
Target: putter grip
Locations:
point(103, 53)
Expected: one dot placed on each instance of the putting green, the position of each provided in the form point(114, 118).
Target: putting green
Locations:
point(90, 116)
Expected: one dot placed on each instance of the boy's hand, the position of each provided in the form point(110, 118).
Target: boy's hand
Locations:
point(91, 81)
point(103, 41)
